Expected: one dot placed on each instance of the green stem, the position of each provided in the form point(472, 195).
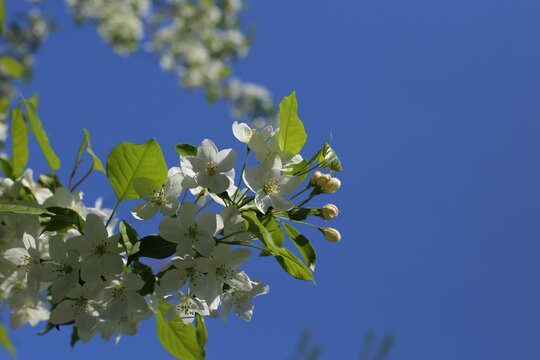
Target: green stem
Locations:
point(308, 170)
point(112, 214)
point(205, 205)
point(308, 187)
point(83, 178)
point(241, 174)
point(300, 222)
point(184, 197)
point(244, 244)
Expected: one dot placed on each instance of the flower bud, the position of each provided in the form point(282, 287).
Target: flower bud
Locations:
point(331, 186)
point(331, 234)
point(323, 180)
point(329, 212)
point(314, 177)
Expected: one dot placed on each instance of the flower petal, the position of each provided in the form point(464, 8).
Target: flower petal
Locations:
point(144, 211)
point(225, 160)
point(207, 151)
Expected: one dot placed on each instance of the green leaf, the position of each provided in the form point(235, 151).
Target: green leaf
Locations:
point(5, 341)
point(50, 182)
point(12, 67)
point(292, 135)
point(7, 168)
point(300, 214)
point(300, 169)
point(257, 228)
point(293, 265)
point(63, 219)
point(155, 247)
point(2, 16)
point(186, 149)
point(328, 159)
point(19, 141)
point(304, 246)
point(179, 339)
point(276, 232)
point(41, 136)
point(22, 209)
point(128, 161)
point(74, 337)
point(202, 335)
point(129, 235)
point(147, 275)
point(96, 162)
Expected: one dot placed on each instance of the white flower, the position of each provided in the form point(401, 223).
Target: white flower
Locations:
point(126, 324)
point(40, 193)
point(163, 198)
point(266, 150)
point(222, 268)
point(187, 308)
point(82, 307)
point(30, 312)
point(210, 169)
point(120, 293)
point(243, 132)
point(63, 271)
point(243, 307)
point(233, 223)
point(189, 232)
point(184, 269)
point(64, 198)
point(268, 185)
point(99, 252)
point(27, 258)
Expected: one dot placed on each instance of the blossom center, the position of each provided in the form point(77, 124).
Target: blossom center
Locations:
point(271, 186)
point(100, 249)
point(210, 168)
point(192, 232)
point(119, 292)
point(224, 272)
point(239, 298)
point(158, 198)
point(81, 305)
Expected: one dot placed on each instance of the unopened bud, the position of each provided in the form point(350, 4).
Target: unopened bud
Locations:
point(329, 212)
point(314, 177)
point(331, 186)
point(323, 180)
point(331, 234)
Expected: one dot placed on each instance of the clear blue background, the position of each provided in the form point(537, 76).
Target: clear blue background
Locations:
point(433, 107)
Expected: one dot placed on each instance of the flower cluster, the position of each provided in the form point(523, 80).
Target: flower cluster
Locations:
point(196, 39)
point(63, 262)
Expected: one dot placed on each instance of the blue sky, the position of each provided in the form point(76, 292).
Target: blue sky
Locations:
point(433, 108)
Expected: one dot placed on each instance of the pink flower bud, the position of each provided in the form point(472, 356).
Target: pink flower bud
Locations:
point(314, 177)
point(331, 234)
point(331, 186)
point(329, 212)
point(323, 180)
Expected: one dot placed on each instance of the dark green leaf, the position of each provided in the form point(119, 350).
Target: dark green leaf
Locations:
point(293, 265)
point(7, 168)
point(5, 341)
point(64, 218)
point(292, 135)
point(147, 275)
point(179, 339)
point(22, 209)
point(74, 337)
point(300, 169)
point(41, 136)
point(50, 182)
point(304, 246)
point(186, 149)
point(155, 247)
point(300, 214)
point(202, 335)
point(19, 141)
point(328, 159)
point(129, 235)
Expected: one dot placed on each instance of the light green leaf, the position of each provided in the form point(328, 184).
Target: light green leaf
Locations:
point(276, 232)
point(22, 209)
point(293, 265)
point(4, 104)
point(19, 141)
point(7, 168)
point(304, 246)
point(96, 162)
point(292, 135)
point(5, 341)
point(256, 227)
point(179, 339)
point(128, 161)
point(2, 16)
point(12, 67)
point(328, 159)
point(41, 136)
point(186, 149)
